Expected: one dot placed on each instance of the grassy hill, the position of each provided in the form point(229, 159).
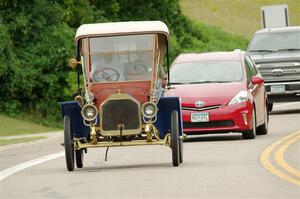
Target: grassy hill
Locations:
point(240, 17)
point(11, 126)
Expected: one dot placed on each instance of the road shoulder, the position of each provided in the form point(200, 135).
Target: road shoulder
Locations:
point(13, 154)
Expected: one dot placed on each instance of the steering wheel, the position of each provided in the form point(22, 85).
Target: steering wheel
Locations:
point(105, 75)
point(141, 68)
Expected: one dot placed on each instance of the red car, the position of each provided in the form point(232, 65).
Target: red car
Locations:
point(220, 92)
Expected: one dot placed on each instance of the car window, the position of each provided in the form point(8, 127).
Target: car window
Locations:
point(119, 58)
point(248, 70)
point(206, 71)
point(252, 66)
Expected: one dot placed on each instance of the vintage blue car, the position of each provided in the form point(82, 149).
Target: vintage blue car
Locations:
point(120, 98)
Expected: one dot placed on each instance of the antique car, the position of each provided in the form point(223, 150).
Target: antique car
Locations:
point(119, 100)
point(221, 92)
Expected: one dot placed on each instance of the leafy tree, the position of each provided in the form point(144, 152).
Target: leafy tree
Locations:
point(37, 42)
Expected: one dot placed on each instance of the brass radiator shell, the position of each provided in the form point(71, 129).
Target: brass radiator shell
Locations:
point(120, 115)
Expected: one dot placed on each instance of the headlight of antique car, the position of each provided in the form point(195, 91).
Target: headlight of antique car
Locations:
point(149, 110)
point(89, 112)
point(242, 96)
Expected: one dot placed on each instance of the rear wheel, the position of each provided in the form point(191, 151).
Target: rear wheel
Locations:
point(69, 145)
point(79, 158)
point(263, 129)
point(250, 134)
point(175, 139)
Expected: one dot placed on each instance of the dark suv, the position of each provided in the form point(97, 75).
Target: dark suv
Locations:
point(276, 52)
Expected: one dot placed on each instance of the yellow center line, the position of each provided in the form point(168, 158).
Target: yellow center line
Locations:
point(265, 161)
point(280, 153)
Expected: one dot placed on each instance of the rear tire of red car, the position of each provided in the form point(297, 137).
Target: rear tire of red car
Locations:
point(79, 158)
point(69, 145)
point(263, 129)
point(250, 134)
point(175, 138)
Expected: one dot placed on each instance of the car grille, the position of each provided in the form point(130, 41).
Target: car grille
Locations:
point(121, 112)
point(223, 123)
point(276, 72)
point(200, 109)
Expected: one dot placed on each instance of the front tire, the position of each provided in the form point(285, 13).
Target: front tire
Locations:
point(175, 139)
point(69, 145)
point(79, 158)
point(180, 151)
point(251, 134)
point(263, 129)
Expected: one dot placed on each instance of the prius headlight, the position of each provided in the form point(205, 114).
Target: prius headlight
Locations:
point(89, 112)
point(149, 110)
point(242, 96)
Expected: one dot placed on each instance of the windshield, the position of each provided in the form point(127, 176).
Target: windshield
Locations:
point(119, 58)
point(278, 41)
point(206, 72)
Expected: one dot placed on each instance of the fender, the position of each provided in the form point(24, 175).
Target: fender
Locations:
point(73, 109)
point(165, 107)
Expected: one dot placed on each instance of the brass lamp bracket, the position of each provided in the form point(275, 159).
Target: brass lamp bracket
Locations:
point(93, 135)
point(148, 130)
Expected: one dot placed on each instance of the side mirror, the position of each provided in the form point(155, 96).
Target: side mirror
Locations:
point(257, 80)
point(73, 63)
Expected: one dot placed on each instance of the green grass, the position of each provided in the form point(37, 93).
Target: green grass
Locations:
point(240, 17)
point(11, 126)
point(19, 140)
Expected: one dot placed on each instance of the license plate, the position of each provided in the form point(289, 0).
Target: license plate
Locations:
point(199, 117)
point(277, 89)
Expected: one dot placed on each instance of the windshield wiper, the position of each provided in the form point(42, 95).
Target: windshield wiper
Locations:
point(289, 49)
point(262, 50)
point(176, 83)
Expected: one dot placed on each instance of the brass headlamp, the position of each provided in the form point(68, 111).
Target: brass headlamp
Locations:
point(89, 112)
point(149, 110)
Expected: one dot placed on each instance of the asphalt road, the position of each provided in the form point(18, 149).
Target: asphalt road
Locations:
point(215, 166)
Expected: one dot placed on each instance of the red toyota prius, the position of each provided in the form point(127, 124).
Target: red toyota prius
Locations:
point(220, 92)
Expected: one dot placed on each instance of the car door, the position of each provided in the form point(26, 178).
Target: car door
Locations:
point(257, 90)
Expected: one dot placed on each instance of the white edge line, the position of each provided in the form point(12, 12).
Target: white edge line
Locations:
point(19, 167)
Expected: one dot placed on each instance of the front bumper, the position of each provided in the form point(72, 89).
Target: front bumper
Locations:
point(291, 92)
point(233, 118)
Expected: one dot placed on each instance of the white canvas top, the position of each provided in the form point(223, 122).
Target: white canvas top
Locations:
point(117, 28)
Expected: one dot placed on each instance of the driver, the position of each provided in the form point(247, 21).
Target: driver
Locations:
point(143, 63)
point(107, 68)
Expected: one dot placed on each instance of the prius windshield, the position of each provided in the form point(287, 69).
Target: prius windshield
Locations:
point(119, 58)
point(206, 72)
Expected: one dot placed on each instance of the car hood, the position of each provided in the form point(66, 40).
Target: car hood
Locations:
point(275, 57)
point(211, 94)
